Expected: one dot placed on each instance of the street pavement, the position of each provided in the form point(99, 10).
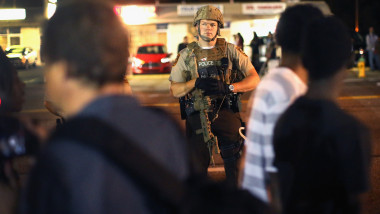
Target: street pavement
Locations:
point(366, 109)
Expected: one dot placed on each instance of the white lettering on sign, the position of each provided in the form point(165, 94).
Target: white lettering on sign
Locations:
point(204, 64)
point(263, 8)
point(190, 10)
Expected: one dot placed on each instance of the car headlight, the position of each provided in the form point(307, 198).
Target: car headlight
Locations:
point(165, 60)
point(137, 62)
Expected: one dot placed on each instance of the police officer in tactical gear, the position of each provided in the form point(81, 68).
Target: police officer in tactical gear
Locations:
point(208, 76)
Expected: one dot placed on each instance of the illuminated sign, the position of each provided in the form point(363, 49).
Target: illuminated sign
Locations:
point(136, 15)
point(12, 14)
point(51, 8)
point(190, 10)
point(263, 8)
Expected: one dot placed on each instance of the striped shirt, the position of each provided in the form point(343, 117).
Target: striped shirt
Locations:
point(276, 91)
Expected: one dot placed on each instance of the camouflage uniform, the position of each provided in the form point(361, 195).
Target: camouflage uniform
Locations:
point(193, 59)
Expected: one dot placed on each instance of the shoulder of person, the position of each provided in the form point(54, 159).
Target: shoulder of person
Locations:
point(181, 56)
point(189, 49)
point(235, 49)
point(191, 46)
point(222, 41)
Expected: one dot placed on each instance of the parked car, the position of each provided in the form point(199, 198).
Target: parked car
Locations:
point(151, 58)
point(22, 56)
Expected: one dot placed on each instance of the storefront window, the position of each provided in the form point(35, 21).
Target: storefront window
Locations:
point(10, 36)
point(3, 30)
point(15, 40)
point(13, 30)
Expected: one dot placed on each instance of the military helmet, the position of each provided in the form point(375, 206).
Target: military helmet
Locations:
point(209, 12)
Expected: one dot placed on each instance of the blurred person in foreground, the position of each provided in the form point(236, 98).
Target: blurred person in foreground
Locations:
point(86, 55)
point(322, 153)
point(209, 77)
point(277, 90)
point(19, 139)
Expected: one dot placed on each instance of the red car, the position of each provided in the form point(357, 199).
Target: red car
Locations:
point(151, 58)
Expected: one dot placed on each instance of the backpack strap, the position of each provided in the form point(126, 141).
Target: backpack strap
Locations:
point(123, 152)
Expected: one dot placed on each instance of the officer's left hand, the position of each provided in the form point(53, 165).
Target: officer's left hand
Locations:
point(221, 88)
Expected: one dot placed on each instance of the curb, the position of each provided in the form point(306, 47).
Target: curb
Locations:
point(371, 76)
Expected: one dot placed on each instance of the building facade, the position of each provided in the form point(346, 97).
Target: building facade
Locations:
point(20, 23)
point(165, 23)
point(168, 23)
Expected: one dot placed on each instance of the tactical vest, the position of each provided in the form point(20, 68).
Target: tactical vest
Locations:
point(198, 58)
point(205, 63)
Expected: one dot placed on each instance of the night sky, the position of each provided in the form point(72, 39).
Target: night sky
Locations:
point(369, 10)
point(369, 13)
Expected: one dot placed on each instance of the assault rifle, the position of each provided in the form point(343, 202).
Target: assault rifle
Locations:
point(203, 105)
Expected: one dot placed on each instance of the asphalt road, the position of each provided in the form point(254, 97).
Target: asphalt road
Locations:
point(360, 97)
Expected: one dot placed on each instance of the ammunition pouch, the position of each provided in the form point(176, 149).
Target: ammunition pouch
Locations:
point(182, 107)
point(235, 102)
point(190, 109)
point(186, 107)
point(211, 71)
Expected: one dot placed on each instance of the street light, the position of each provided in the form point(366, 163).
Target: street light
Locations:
point(136, 15)
point(51, 7)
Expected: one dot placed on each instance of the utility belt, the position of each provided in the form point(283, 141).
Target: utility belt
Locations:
point(231, 101)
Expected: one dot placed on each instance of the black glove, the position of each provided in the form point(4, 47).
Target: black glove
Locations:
point(212, 86)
